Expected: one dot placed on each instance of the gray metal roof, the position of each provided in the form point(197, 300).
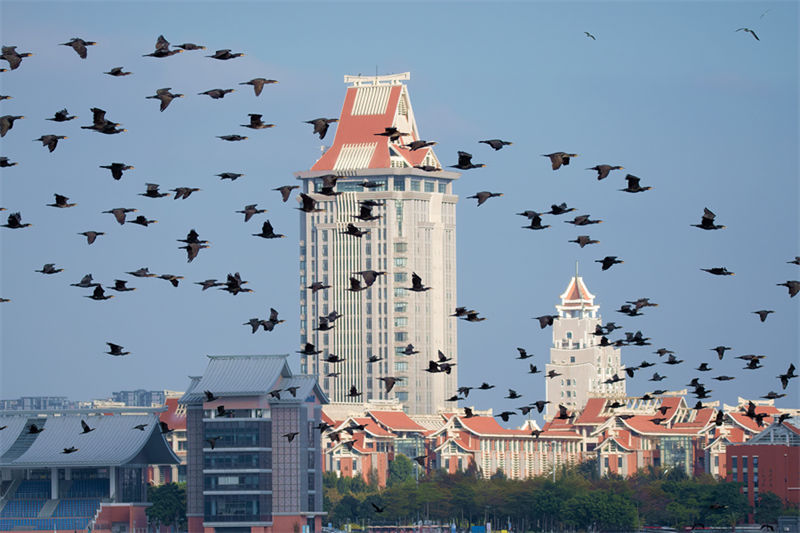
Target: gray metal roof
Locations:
point(308, 386)
point(114, 442)
point(9, 435)
point(238, 375)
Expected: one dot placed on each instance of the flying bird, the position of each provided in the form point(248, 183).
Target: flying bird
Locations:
point(117, 71)
point(609, 261)
point(190, 46)
point(590, 35)
point(604, 170)
point(216, 94)
point(285, 191)
point(258, 84)
point(231, 138)
point(718, 271)
point(793, 286)
point(321, 125)
point(633, 185)
point(465, 162)
point(165, 96)
point(62, 116)
point(225, 54)
point(583, 240)
point(256, 123)
point(50, 268)
point(559, 158)
point(14, 58)
point(117, 169)
point(497, 144)
point(484, 195)
point(85, 427)
point(762, 314)
point(15, 221)
point(707, 221)
point(116, 350)
point(61, 202)
point(79, 45)
point(416, 284)
point(250, 210)
point(582, 220)
point(267, 232)
point(7, 122)
point(751, 32)
point(50, 141)
point(416, 145)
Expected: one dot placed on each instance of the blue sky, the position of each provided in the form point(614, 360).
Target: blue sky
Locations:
point(706, 115)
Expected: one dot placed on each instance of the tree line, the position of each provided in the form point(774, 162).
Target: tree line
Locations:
point(578, 500)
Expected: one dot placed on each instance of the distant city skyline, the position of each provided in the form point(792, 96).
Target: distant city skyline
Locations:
point(704, 114)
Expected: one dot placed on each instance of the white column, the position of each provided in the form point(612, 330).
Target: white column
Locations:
point(54, 483)
point(112, 482)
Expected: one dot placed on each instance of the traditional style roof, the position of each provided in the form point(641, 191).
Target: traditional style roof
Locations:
point(308, 387)
point(238, 375)
point(642, 424)
point(371, 427)
point(591, 412)
point(576, 294)
point(459, 442)
point(113, 442)
point(372, 104)
point(396, 421)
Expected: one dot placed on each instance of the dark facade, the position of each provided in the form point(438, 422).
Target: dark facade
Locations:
point(243, 472)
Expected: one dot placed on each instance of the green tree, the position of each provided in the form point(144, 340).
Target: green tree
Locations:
point(169, 504)
point(401, 469)
point(769, 508)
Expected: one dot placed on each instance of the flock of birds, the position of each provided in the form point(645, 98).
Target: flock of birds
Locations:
point(363, 280)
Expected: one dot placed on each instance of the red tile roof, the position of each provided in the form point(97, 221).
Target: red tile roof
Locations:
point(355, 129)
point(396, 421)
point(642, 424)
point(591, 412)
point(171, 417)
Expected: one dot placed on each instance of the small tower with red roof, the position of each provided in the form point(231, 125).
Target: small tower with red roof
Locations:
point(576, 353)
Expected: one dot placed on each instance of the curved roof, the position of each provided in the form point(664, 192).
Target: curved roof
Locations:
point(238, 375)
point(9, 435)
point(113, 442)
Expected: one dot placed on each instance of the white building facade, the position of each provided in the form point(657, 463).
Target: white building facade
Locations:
point(414, 234)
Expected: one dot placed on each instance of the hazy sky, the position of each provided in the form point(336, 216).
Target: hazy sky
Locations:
point(706, 115)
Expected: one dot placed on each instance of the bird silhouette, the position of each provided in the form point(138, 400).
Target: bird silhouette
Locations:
point(707, 221)
point(165, 96)
point(258, 84)
point(465, 162)
point(116, 350)
point(85, 428)
point(267, 232)
point(762, 314)
point(117, 71)
point(793, 286)
point(751, 32)
point(117, 169)
point(50, 141)
point(497, 144)
point(559, 158)
point(217, 94)
point(321, 125)
point(7, 122)
point(50, 268)
point(225, 54)
point(604, 170)
point(256, 123)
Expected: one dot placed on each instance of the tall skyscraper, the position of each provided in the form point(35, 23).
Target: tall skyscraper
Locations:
point(576, 354)
point(416, 233)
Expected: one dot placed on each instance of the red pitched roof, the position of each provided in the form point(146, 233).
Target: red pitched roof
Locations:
point(396, 421)
point(642, 424)
point(591, 412)
point(328, 420)
point(750, 424)
point(487, 425)
point(361, 129)
point(373, 428)
point(171, 417)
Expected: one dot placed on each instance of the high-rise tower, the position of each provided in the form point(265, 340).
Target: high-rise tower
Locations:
point(576, 354)
point(416, 233)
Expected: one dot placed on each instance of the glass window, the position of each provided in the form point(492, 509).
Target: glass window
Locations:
point(401, 336)
point(400, 247)
point(399, 184)
point(401, 366)
point(400, 322)
point(324, 235)
point(400, 261)
point(402, 396)
point(415, 184)
point(400, 276)
point(429, 186)
point(400, 307)
point(442, 187)
point(399, 292)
